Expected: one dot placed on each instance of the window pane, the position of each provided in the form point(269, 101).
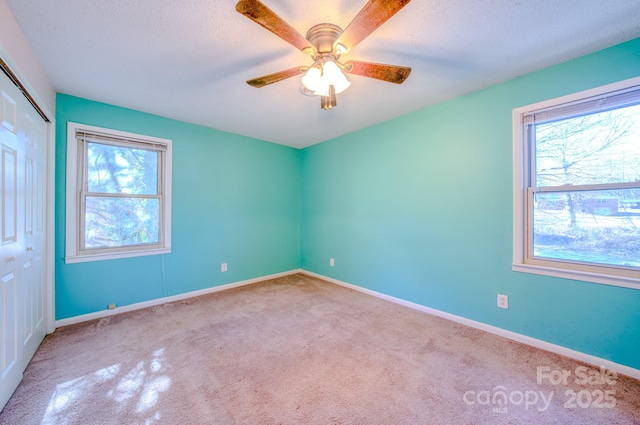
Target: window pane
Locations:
point(116, 222)
point(115, 169)
point(600, 227)
point(598, 148)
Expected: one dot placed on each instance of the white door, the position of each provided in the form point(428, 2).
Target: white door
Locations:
point(22, 242)
point(12, 308)
point(32, 136)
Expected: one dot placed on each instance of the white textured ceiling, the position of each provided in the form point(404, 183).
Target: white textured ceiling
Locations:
point(189, 59)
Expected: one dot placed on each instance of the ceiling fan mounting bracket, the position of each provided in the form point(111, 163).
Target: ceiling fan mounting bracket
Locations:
point(323, 37)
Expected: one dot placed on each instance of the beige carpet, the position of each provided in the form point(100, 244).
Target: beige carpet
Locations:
point(297, 350)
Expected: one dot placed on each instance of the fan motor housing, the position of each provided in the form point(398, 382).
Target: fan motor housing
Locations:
point(323, 37)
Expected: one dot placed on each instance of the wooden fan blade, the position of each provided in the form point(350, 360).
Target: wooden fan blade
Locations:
point(391, 73)
point(275, 77)
point(372, 15)
point(262, 15)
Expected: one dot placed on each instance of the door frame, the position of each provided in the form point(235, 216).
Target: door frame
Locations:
point(50, 294)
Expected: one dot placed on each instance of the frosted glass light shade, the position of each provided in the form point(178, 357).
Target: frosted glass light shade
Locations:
point(312, 80)
point(318, 80)
point(334, 76)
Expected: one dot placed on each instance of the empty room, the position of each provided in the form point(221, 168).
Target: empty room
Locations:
point(304, 212)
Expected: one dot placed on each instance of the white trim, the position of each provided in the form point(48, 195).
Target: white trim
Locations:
point(514, 336)
point(573, 97)
point(50, 229)
point(85, 258)
point(173, 298)
point(520, 262)
point(581, 275)
point(72, 252)
point(518, 187)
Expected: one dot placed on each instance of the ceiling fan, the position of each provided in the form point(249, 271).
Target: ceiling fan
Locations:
point(325, 43)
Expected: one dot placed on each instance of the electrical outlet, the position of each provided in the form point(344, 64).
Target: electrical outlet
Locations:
point(223, 267)
point(331, 262)
point(503, 301)
point(111, 306)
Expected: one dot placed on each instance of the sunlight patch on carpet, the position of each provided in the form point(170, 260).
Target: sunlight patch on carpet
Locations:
point(70, 393)
point(141, 385)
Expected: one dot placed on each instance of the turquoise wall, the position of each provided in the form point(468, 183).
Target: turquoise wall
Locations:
point(235, 200)
point(420, 208)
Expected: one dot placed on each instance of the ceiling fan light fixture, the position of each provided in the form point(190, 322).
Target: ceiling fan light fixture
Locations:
point(334, 76)
point(324, 74)
point(312, 79)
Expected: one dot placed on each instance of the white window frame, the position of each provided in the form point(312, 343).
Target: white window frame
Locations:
point(523, 260)
point(74, 219)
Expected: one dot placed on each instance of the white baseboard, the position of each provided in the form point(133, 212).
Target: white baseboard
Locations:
point(538, 343)
point(164, 300)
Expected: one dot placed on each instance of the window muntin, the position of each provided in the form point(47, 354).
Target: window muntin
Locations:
point(118, 195)
point(578, 210)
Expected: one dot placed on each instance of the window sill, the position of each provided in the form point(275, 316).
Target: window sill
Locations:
point(114, 255)
point(606, 279)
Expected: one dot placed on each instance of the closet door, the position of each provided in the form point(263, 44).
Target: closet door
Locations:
point(10, 274)
point(22, 241)
point(32, 137)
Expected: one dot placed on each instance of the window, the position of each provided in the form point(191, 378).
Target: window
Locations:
point(577, 186)
point(118, 194)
